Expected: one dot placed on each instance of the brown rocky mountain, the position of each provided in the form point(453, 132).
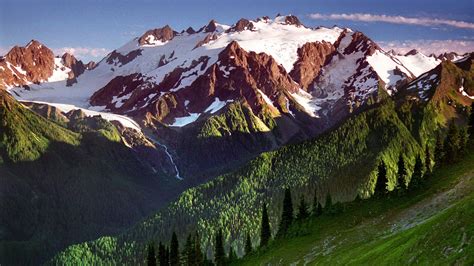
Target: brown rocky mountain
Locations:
point(36, 63)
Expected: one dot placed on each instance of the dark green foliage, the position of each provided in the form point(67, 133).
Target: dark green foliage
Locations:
point(382, 181)
point(471, 122)
point(163, 255)
point(287, 214)
point(401, 173)
point(219, 253)
point(232, 255)
point(265, 232)
point(416, 177)
point(428, 167)
point(174, 250)
point(328, 207)
point(452, 143)
point(463, 140)
point(439, 151)
point(190, 250)
point(151, 257)
point(303, 211)
point(248, 244)
point(197, 250)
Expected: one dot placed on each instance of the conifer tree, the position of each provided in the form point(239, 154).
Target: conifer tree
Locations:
point(197, 250)
point(439, 151)
point(151, 257)
point(381, 182)
point(265, 233)
point(287, 214)
point(219, 253)
point(232, 255)
point(303, 212)
point(463, 139)
point(162, 254)
point(416, 177)
point(401, 173)
point(471, 123)
point(248, 245)
point(174, 250)
point(452, 143)
point(190, 251)
point(328, 208)
point(167, 256)
point(427, 161)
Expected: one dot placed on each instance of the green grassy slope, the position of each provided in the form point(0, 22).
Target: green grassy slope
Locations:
point(60, 187)
point(430, 226)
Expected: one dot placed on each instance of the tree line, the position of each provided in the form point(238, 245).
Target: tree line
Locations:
point(448, 149)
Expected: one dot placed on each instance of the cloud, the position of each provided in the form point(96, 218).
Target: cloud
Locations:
point(79, 52)
point(429, 46)
point(394, 19)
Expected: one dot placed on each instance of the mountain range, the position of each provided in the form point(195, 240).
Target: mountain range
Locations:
point(255, 107)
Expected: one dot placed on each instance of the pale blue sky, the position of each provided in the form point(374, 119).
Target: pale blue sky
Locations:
point(96, 27)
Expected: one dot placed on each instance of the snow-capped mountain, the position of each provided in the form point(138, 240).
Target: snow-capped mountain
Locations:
point(274, 79)
point(160, 75)
point(35, 64)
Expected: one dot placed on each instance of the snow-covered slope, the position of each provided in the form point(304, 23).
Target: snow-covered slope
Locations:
point(156, 75)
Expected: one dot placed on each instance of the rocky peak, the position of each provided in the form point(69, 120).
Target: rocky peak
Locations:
point(91, 65)
point(292, 20)
point(190, 30)
point(211, 26)
point(241, 25)
point(30, 64)
point(150, 37)
point(412, 52)
point(76, 66)
point(312, 57)
point(350, 42)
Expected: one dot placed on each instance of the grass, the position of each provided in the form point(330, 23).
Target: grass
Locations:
point(433, 225)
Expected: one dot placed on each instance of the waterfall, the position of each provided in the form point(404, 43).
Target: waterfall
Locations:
point(169, 156)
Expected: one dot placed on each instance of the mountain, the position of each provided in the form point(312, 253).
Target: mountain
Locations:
point(36, 63)
point(69, 181)
point(239, 90)
point(341, 162)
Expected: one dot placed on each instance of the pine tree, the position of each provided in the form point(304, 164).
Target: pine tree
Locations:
point(232, 255)
point(439, 151)
point(219, 253)
point(471, 122)
point(463, 140)
point(265, 233)
point(161, 254)
point(303, 212)
point(190, 251)
point(248, 245)
point(167, 256)
point(452, 143)
point(287, 214)
point(328, 208)
point(319, 210)
point(416, 177)
point(151, 257)
point(401, 173)
point(381, 182)
point(174, 250)
point(427, 161)
point(197, 250)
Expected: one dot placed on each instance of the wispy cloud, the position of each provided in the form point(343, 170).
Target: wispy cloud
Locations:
point(429, 46)
point(395, 19)
point(79, 52)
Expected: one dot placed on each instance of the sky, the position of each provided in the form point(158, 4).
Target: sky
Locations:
point(90, 29)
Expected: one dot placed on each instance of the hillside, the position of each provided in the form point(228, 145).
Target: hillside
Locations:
point(432, 225)
point(405, 125)
point(61, 186)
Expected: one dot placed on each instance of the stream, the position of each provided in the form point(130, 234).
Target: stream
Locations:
point(169, 156)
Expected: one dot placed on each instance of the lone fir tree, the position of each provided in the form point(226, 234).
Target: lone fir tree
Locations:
point(219, 252)
point(151, 257)
point(401, 173)
point(248, 245)
point(265, 233)
point(303, 212)
point(174, 250)
point(287, 214)
point(381, 182)
point(416, 177)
